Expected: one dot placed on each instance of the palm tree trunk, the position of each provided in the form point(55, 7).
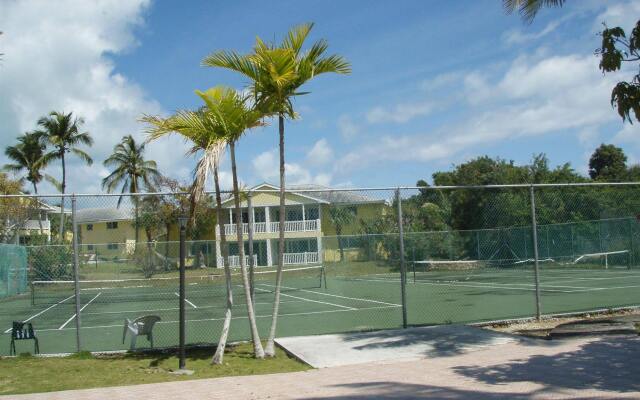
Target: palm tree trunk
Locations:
point(340, 244)
point(226, 325)
point(64, 186)
point(255, 336)
point(270, 349)
point(35, 191)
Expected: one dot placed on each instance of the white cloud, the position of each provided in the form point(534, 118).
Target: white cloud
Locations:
point(348, 129)
point(399, 113)
point(518, 37)
point(547, 96)
point(60, 61)
point(624, 15)
point(321, 153)
point(267, 168)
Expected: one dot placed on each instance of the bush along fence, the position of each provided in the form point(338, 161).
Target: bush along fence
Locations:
point(78, 266)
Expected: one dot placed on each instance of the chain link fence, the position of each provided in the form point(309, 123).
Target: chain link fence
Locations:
point(354, 259)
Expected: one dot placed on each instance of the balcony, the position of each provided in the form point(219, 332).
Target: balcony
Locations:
point(301, 258)
point(34, 224)
point(234, 261)
point(274, 227)
point(309, 257)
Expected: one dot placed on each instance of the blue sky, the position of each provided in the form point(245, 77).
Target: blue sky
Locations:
point(433, 84)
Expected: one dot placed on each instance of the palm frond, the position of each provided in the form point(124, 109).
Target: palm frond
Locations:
point(528, 9)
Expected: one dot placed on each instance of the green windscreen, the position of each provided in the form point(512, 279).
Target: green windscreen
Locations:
point(13, 270)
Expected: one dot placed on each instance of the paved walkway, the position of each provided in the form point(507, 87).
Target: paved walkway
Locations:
point(393, 344)
point(579, 368)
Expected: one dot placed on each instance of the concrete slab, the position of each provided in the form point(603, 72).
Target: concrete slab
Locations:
point(392, 345)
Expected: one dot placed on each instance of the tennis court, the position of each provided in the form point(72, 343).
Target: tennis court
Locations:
point(340, 297)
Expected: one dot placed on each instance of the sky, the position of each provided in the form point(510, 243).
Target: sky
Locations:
point(434, 83)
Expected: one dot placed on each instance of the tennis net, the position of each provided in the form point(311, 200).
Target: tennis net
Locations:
point(166, 288)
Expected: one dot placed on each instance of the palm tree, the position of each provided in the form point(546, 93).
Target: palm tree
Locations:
point(341, 216)
point(277, 72)
point(225, 118)
point(28, 156)
point(62, 132)
point(528, 9)
point(131, 170)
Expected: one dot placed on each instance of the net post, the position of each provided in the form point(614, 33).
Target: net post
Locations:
point(182, 316)
point(403, 272)
point(76, 272)
point(534, 228)
point(250, 240)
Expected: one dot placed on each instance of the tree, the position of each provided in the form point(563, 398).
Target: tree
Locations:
point(341, 216)
point(131, 170)
point(62, 132)
point(615, 50)
point(276, 73)
point(28, 157)
point(528, 9)
point(608, 163)
point(224, 119)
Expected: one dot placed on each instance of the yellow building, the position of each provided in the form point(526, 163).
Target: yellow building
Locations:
point(310, 224)
point(107, 232)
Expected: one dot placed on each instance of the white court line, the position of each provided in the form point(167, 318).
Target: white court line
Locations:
point(222, 319)
point(186, 300)
point(176, 308)
point(335, 295)
point(42, 312)
point(457, 283)
point(313, 301)
point(74, 315)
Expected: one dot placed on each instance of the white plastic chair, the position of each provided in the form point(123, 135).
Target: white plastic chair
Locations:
point(142, 326)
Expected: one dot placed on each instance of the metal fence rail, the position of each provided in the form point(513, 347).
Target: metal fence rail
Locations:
point(355, 259)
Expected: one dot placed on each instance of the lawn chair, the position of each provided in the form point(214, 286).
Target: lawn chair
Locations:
point(142, 326)
point(23, 331)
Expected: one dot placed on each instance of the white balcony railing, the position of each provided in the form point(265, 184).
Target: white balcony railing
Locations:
point(234, 261)
point(301, 258)
point(263, 227)
point(34, 224)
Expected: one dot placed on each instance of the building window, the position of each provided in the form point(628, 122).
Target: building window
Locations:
point(90, 247)
point(112, 225)
point(112, 246)
point(89, 227)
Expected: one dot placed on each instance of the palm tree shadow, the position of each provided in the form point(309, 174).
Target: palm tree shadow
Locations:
point(608, 364)
point(387, 390)
point(437, 341)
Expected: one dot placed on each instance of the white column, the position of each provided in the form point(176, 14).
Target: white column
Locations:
point(267, 219)
point(304, 224)
point(218, 253)
point(319, 239)
point(269, 258)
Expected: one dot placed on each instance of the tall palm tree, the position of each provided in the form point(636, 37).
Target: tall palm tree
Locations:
point(225, 118)
point(28, 157)
point(276, 73)
point(131, 170)
point(341, 216)
point(528, 9)
point(62, 132)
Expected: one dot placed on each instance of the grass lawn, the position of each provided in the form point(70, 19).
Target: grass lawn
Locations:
point(27, 374)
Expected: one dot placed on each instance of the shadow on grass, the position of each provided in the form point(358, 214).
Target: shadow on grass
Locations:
point(607, 364)
point(439, 341)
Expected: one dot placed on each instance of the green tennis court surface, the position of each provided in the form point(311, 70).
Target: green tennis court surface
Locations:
point(338, 301)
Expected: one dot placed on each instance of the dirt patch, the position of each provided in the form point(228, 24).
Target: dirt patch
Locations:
point(541, 329)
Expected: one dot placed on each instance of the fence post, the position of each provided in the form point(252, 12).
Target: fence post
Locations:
point(250, 234)
point(76, 272)
point(403, 270)
point(534, 227)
